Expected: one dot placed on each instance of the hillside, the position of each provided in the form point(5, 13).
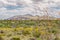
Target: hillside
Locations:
point(31, 17)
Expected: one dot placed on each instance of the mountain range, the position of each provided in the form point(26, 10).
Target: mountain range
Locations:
point(31, 17)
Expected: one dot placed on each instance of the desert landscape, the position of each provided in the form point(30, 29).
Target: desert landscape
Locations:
point(29, 19)
point(30, 30)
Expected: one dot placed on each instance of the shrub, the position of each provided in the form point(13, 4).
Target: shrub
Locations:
point(25, 32)
point(15, 39)
point(36, 34)
point(57, 39)
point(1, 38)
point(32, 39)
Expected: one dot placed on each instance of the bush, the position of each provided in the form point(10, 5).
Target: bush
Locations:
point(36, 34)
point(15, 39)
point(32, 39)
point(25, 32)
point(1, 38)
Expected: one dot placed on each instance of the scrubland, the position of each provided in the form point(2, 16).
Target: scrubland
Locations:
point(30, 30)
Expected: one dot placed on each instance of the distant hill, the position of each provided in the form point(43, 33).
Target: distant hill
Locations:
point(31, 17)
point(45, 17)
point(21, 17)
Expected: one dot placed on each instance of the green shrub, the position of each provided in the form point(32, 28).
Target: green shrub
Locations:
point(36, 35)
point(26, 32)
point(15, 39)
point(39, 39)
point(57, 39)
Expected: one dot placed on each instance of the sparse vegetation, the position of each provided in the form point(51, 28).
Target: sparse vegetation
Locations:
point(30, 30)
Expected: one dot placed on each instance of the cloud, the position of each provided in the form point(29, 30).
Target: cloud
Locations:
point(9, 8)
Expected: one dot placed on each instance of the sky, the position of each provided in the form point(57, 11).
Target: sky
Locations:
point(9, 8)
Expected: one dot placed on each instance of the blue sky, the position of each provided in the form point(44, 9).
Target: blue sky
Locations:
point(9, 8)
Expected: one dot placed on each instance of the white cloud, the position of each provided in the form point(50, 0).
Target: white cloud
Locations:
point(10, 8)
